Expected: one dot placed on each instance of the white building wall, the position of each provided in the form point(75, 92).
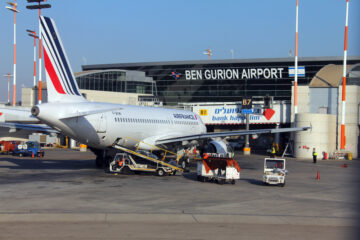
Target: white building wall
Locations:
point(322, 136)
point(112, 97)
point(27, 97)
point(303, 100)
point(351, 118)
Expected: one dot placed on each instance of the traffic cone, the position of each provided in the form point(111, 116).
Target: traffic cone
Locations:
point(32, 154)
point(318, 176)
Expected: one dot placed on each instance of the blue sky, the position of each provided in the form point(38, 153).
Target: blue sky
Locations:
point(114, 31)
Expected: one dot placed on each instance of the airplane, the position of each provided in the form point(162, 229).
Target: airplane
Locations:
point(17, 115)
point(99, 125)
point(17, 124)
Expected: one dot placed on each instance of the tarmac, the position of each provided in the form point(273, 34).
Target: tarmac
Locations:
point(63, 195)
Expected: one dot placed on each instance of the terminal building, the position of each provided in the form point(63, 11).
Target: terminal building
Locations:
point(215, 89)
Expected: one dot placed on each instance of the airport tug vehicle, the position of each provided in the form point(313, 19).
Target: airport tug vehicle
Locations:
point(217, 168)
point(30, 148)
point(274, 171)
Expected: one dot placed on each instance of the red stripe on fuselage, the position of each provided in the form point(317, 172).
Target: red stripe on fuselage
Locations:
point(51, 71)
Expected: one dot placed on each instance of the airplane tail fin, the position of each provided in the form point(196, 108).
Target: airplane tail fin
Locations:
point(60, 80)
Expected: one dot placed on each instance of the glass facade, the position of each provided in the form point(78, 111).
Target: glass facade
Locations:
point(225, 80)
point(113, 81)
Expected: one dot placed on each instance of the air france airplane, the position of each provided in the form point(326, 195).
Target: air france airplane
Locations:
point(99, 125)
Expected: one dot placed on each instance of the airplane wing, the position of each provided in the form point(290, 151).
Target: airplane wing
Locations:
point(13, 127)
point(227, 134)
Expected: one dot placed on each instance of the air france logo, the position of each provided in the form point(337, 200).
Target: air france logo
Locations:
point(183, 116)
point(175, 75)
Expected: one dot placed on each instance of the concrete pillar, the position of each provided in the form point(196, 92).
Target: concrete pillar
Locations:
point(322, 136)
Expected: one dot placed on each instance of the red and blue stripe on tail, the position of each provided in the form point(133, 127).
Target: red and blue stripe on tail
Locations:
point(60, 79)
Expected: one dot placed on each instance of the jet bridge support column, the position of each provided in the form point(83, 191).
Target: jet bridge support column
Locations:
point(247, 149)
point(277, 137)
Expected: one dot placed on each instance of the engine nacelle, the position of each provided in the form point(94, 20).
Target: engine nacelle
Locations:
point(219, 147)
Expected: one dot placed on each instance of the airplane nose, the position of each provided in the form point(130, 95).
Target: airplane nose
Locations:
point(35, 111)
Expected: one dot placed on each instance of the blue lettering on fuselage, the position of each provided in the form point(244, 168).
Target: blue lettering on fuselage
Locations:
point(183, 116)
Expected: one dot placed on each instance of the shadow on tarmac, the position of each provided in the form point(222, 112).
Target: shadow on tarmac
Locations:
point(41, 163)
point(192, 176)
point(253, 181)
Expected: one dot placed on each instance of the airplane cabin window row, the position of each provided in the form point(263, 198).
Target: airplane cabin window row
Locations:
point(153, 121)
point(140, 120)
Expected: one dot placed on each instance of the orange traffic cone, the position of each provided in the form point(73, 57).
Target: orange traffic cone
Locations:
point(32, 155)
point(318, 176)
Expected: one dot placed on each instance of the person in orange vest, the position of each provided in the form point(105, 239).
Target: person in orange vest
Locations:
point(314, 153)
point(121, 162)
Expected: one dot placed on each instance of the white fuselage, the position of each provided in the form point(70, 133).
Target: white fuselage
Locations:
point(115, 121)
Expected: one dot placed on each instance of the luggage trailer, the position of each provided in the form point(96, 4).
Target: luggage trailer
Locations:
point(217, 169)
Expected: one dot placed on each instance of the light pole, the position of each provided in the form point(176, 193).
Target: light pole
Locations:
point(8, 77)
point(296, 59)
point(343, 99)
point(33, 35)
point(12, 8)
point(33, 7)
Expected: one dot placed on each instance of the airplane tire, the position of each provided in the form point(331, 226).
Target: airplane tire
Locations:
point(160, 172)
point(183, 164)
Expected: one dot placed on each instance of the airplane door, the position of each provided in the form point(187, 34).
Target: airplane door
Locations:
point(102, 123)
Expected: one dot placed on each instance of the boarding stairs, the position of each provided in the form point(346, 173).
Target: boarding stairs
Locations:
point(120, 144)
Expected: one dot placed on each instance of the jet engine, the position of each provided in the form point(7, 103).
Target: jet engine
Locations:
point(218, 146)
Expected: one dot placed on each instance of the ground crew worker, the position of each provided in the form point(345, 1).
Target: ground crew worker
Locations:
point(314, 153)
point(273, 152)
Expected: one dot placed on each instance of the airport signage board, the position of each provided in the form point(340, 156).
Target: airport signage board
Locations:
point(234, 73)
point(232, 114)
point(300, 71)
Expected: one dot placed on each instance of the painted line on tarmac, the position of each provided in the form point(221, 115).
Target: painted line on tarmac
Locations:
point(175, 218)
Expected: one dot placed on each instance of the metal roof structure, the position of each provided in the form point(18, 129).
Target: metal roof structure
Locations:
point(223, 61)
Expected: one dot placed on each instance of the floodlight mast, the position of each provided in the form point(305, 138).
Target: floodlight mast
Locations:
point(33, 7)
point(13, 8)
point(296, 59)
point(32, 33)
point(342, 132)
point(8, 75)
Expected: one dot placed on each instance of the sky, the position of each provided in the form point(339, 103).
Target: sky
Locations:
point(119, 31)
